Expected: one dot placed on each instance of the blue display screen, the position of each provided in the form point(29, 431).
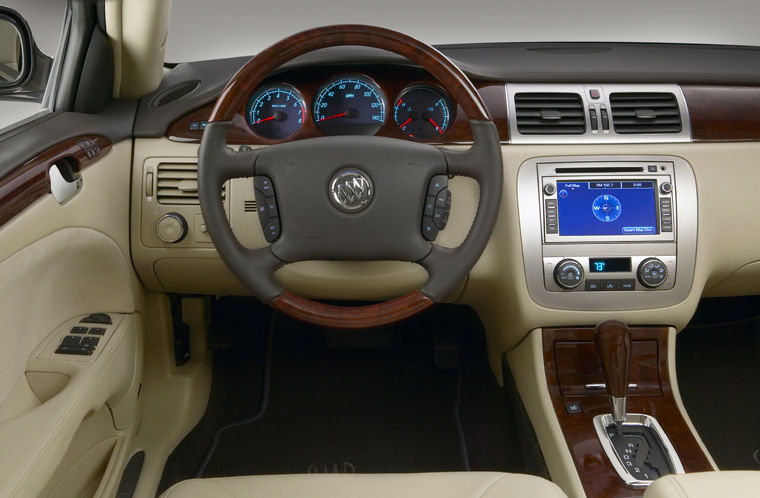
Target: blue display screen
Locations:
point(602, 207)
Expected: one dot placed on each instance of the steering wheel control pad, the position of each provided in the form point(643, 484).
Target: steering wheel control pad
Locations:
point(387, 226)
point(435, 215)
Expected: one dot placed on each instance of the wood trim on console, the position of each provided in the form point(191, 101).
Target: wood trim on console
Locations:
point(598, 477)
point(723, 113)
point(351, 317)
point(30, 181)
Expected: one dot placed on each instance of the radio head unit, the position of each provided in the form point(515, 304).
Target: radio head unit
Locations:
point(594, 203)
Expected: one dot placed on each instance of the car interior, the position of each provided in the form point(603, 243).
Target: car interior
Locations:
point(353, 263)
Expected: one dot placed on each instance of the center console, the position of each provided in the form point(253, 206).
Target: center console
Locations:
point(608, 233)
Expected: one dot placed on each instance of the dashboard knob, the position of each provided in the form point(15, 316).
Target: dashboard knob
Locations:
point(171, 228)
point(666, 188)
point(568, 274)
point(549, 189)
point(652, 273)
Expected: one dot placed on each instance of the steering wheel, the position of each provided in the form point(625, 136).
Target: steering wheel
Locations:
point(390, 178)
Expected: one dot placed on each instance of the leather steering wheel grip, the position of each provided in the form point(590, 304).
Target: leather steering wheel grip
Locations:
point(446, 267)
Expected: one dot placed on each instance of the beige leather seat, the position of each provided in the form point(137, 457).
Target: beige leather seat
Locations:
point(733, 484)
point(433, 485)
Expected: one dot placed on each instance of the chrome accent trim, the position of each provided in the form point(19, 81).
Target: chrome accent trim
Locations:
point(602, 385)
point(601, 422)
point(590, 136)
point(351, 190)
point(618, 408)
point(535, 250)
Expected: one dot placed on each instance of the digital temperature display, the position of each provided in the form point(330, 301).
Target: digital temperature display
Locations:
point(607, 265)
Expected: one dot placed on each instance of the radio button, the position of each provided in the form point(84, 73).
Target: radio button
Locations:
point(568, 274)
point(652, 273)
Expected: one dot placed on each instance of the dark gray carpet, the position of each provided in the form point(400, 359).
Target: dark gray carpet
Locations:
point(718, 364)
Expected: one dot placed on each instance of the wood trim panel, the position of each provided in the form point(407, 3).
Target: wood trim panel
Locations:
point(31, 180)
point(723, 113)
point(598, 477)
point(392, 80)
point(351, 317)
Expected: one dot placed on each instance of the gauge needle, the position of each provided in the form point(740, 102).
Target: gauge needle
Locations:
point(404, 123)
point(265, 119)
point(436, 126)
point(333, 117)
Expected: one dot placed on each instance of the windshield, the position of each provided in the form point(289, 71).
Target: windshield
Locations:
point(203, 29)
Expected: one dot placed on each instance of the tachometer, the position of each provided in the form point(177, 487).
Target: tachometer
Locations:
point(276, 111)
point(349, 105)
point(422, 112)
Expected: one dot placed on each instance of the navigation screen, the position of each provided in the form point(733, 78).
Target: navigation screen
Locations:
point(602, 207)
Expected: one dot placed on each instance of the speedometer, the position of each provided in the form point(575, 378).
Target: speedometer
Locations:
point(349, 105)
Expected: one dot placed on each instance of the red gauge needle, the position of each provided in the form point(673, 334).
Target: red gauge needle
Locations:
point(333, 117)
point(265, 119)
point(404, 123)
point(440, 132)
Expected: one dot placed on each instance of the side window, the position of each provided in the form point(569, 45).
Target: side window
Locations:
point(29, 36)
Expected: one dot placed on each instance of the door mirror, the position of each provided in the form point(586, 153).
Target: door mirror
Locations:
point(24, 70)
point(11, 53)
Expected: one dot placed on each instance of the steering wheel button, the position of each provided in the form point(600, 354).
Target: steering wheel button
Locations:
point(429, 230)
point(272, 208)
point(443, 199)
point(272, 231)
point(429, 206)
point(263, 184)
point(438, 183)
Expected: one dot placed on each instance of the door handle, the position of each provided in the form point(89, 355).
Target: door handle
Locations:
point(61, 188)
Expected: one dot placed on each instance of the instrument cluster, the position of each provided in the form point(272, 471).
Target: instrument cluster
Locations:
point(349, 104)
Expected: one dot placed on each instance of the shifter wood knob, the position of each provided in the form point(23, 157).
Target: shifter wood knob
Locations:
point(613, 343)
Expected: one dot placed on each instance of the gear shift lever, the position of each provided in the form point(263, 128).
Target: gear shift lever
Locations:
point(613, 344)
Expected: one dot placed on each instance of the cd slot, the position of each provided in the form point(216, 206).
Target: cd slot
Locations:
point(614, 169)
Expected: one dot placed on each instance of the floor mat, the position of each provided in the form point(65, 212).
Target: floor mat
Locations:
point(719, 378)
point(346, 402)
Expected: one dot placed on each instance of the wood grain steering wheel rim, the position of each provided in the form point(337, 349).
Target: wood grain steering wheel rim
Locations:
point(235, 96)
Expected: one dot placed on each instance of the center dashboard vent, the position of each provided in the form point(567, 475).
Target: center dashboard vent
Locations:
point(178, 184)
point(549, 114)
point(645, 113)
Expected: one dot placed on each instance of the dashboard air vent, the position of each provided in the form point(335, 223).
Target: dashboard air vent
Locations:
point(645, 113)
point(178, 184)
point(174, 93)
point(550, 114)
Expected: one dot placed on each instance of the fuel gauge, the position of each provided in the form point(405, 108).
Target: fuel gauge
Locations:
point(422, 112)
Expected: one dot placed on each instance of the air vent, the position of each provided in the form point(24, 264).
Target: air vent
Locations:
point(249, 206)
point(645, 113)
point(178, 184)
point(550, 114)
point(174, 94)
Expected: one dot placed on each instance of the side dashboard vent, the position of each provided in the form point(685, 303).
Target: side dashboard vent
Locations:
point(177, 184)
point(645, 113)
point(549, 114)
point(175, 93)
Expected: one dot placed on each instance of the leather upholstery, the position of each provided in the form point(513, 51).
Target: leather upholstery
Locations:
point(432, 485)
point(744, 484)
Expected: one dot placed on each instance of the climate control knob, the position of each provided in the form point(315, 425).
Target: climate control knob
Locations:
point(568, 274)
point(171, 228)
point(652, 273)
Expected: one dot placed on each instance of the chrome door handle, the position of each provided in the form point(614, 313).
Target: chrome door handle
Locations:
point(62, 189)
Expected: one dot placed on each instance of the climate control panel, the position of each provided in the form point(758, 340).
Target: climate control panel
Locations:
point(609, 274)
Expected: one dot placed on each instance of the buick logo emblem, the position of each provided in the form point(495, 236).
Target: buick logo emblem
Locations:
point(351, 190)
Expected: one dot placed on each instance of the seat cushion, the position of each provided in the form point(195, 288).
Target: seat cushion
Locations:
point(433, 485)
point(706, 484)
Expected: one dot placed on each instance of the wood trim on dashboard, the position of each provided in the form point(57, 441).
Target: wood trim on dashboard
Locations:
point(598, 477)
point(30, 181)
point(351, 317)
point(723, 113)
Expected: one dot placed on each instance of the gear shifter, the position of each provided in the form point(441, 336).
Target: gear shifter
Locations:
point(613, 344)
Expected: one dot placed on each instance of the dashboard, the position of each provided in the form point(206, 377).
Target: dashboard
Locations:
point(658, 235)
